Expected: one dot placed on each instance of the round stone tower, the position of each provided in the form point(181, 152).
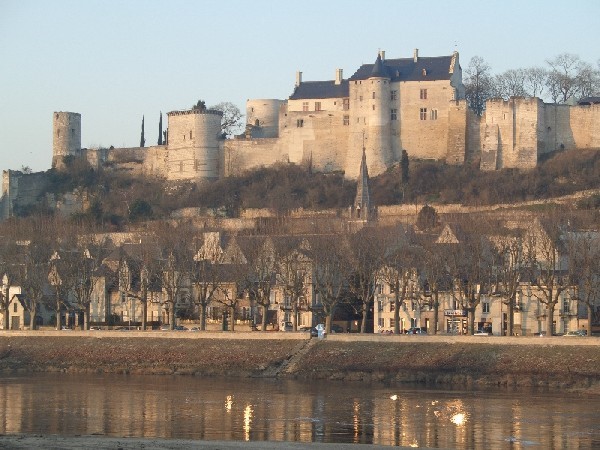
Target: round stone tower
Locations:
point(66, 129)
point(194, 145)
point(370, 126)
point(264, 115)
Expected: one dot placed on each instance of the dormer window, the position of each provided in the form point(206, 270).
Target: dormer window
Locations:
point(424, 72)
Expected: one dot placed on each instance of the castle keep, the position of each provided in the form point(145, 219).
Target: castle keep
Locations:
point(415, 104)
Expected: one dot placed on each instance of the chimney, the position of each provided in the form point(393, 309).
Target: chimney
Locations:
point(339, 76)
point(298, 78)
point(382, 54)
point(416, 55)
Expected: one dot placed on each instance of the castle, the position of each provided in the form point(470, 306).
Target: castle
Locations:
point(415, 104)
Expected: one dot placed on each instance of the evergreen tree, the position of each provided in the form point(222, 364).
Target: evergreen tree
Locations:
point(142, 138)
point(404, 166)
point(160, 133)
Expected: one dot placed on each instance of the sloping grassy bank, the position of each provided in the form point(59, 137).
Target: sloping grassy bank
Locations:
point(460, 363)
point(457, 364)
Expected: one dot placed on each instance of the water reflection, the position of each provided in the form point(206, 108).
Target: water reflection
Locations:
point(256, 410)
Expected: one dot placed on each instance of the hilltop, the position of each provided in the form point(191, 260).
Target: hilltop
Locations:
point(118, 199)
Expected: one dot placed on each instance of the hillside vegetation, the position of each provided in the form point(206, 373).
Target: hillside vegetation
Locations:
point(116, 199)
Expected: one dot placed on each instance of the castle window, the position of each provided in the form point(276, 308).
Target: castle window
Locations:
point(373, 107)
point(433, 114)
point(360, 98)
point(394, 95)
point(57, 133)
point(181, 166)
point(394, 114)
point(423, 114)
point(72, 131)
point(190, 134)
point(423, 94)
point(300, 123)
point(317, 106)
point(346, 120)
point(304, 106)
point(15, 306)
point(196, 165)
point(373, 94)
point(346, 104)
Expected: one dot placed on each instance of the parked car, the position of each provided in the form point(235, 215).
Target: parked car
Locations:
point(179, 328)
point(335, 328)
point(194, 329)
point(416, 330)
point(576, 333)
point(482, 333)
point(312, 330)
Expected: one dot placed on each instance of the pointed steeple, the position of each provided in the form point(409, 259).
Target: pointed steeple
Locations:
point(362, 202)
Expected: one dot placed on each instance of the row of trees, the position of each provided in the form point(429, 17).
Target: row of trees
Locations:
point(58, 264)
point(564, 78)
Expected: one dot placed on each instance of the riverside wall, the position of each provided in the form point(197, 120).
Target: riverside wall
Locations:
point(461, 361)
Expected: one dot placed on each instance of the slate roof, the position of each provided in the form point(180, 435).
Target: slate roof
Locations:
point(589, 101)
point(401, 69)
point(406, 69)
point(320, 89)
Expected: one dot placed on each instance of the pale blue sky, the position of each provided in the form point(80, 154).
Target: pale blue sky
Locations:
point(114, 61)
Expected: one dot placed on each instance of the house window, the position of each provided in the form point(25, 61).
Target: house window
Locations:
point(346, 120)
point(300, 123)
point(392, 323)
point(394, 95)
point(394, 114)
point(423, 113)
point(392, 306)
point(485, 307)
point(423, 95)
point(346, 104)
point(566, 306)
point(317, 106)
point(380, 306)
point(304, 106)
point(433, 114)
point(380, 322)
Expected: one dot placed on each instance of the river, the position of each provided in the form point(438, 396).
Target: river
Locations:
point(177, 407)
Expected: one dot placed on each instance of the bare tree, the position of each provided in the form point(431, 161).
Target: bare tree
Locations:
point(293, 275)
point(206, 280)
point(330, 272)
point(478, 84)
point(584, 268)
point(510, 84)
point(231, 123)
point(259, 277)
point(470, 266)
point(398, 268)
point(367, 251)
point(434, 272)
point(535, 81)
point(562, 81)
point(509, 270)
point(35, 276)
point(547, 265)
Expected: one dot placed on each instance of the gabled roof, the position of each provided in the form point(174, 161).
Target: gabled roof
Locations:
point(320, 89)
point(406, 69)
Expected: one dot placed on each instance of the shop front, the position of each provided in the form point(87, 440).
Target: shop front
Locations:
point(456, 321)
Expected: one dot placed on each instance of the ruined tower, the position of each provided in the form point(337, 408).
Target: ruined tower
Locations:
point(66, 137)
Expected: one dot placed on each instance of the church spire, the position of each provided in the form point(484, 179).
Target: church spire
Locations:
point(362, 202)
